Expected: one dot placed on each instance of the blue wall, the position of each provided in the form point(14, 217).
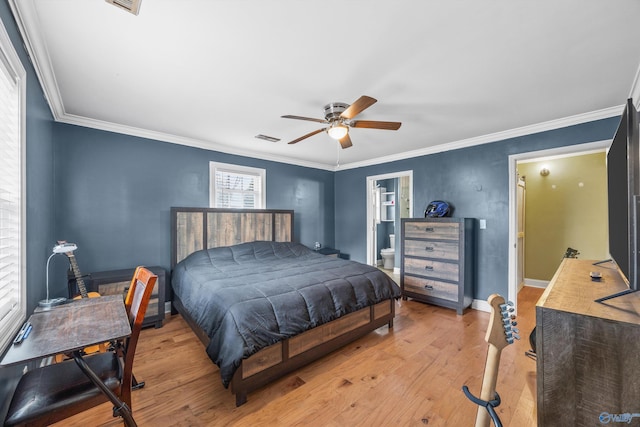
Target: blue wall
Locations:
point(113, 194)
point(39, 192)
point(474, 180)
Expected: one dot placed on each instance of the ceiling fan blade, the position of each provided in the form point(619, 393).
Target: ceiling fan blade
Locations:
point(372, 124)
point(345, 141)
point(358, 107)
point(304, 118)
point(308, 135)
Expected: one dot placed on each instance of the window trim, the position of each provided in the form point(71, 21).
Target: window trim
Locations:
point(11, 61)
point(229, 167)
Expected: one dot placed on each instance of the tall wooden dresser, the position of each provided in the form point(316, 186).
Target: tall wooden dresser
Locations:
point(588, 353)
point(437, 261)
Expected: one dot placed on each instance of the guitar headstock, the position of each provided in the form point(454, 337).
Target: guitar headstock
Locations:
point(501, 331)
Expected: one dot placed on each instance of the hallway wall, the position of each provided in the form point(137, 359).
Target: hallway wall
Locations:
point(567, 208)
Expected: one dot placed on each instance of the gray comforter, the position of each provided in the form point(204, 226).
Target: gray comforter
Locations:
point(252, 295)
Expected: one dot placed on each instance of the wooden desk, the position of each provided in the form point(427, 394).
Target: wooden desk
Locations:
point(588, 353)
point(71, 327)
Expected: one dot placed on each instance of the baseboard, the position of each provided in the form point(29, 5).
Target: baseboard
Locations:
point(535, 283)
point(167, 308)
point(482, 305)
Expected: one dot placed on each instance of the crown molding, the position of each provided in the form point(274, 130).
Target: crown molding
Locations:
point(635, 90)
point(210, 146)
point(455, 145)
point(493, 137)
point(26, 18)
point(190, 142)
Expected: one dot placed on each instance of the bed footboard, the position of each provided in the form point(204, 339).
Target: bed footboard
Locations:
point(286, 356)
point(281, 358)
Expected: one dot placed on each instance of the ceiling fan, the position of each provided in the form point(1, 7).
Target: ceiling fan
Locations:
point(339, 116)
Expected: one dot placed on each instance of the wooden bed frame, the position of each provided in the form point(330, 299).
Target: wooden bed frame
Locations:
point(194, 229)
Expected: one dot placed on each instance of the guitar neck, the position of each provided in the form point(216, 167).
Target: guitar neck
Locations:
point(489, 381)
point(500, 333)
point(76, 272)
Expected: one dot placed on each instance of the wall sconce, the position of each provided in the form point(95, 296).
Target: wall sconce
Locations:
point(544, 172)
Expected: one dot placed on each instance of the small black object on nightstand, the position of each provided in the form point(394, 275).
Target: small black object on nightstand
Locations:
point(329, 252)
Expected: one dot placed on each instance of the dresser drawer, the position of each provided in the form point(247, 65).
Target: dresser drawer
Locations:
point(435, 269)
point(429, 249)
point(431, 288)
point(432, 230)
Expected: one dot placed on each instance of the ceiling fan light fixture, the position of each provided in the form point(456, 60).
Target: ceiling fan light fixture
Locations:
point(338, 131)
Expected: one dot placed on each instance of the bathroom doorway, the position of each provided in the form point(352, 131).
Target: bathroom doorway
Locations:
point(389, 199)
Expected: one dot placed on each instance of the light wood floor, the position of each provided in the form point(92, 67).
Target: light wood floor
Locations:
point(410, 376)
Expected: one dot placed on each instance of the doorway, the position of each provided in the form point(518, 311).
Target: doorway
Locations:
point(516, 260)
point(402, 194)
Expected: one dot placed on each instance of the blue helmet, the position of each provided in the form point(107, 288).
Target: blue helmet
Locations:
point(436, 209)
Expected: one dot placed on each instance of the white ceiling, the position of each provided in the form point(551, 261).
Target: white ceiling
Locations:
point(216, 73)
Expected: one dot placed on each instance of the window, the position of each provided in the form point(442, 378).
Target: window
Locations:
point(13, 304)
point(233, 186)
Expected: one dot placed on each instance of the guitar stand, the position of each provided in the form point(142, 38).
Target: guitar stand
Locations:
point(490, 405)
point(135, 385)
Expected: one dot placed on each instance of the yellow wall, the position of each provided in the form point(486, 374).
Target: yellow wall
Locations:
point(567, 208)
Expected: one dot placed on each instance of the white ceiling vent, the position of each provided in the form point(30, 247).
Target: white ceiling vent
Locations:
point(132, 6)
point(267, 138)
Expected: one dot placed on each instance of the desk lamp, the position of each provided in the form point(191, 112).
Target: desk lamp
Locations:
point(62, 248)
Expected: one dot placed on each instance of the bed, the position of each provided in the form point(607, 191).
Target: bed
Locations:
point(262, 304)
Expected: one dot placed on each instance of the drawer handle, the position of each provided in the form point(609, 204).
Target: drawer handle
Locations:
point(429, 249)
point(428, 267)
point(429, 229)
point(428, 287)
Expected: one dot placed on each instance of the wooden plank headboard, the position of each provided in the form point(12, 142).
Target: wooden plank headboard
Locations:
point(193, 229)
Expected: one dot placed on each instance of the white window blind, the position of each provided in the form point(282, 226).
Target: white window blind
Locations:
point(238, 187)
point(12, 277)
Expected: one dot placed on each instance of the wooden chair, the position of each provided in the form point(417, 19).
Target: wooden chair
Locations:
point(52, 393)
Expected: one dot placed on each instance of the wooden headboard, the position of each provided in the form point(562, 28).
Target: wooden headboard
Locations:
point(193, 229)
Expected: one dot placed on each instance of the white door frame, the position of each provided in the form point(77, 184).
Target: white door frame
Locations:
point(571, 150)
point(371, 181)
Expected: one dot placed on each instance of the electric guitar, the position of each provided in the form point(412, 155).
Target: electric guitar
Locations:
point(500, 333)
point(76, 273)
point(83, 291)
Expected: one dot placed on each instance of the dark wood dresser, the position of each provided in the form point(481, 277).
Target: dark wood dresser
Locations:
point(437, 261)
point(588, 353)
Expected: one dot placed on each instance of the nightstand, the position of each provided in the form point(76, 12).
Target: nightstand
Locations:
point(329, 252)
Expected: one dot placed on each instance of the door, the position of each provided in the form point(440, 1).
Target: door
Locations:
point(520, 235)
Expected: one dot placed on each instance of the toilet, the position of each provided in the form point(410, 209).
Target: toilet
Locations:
point(388, 255)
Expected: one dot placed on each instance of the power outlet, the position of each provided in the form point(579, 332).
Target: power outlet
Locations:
point(483, 224)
